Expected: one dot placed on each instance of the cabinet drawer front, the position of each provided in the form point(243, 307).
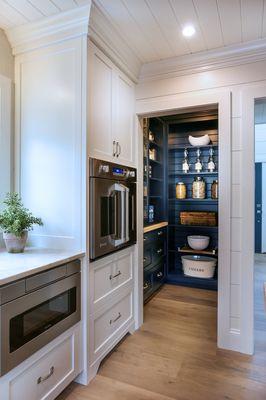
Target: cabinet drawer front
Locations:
point(158, 252)
point(154, 235)
point(111, 320)
point(158, 276)
point(147, 257)
point(112, 275)
point(147, 285)
point(39, 381)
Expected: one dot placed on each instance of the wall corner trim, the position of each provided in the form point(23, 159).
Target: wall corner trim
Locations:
point(49, 30)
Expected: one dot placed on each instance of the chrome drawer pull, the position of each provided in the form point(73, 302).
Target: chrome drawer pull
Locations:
point(115, 276)
point(144, 259)
point(43, 379)
point(159, 251)
point(145, 286)
point(112, 321)
point(160, 233)
point(159, 275)
point(114, 148)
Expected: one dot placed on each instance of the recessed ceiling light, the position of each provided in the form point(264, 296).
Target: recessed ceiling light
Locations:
point(188, 30)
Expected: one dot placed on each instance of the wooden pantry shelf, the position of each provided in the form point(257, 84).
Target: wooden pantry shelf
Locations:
point(187, 249)
point(153, 227)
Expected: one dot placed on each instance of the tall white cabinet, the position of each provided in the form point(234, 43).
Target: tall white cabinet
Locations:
point(111, 110)
point(72, 103)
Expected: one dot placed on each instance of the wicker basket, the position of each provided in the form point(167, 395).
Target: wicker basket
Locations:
point(203, 218)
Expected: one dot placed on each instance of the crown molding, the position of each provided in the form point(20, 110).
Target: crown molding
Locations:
point(52, 29)
point(106, 36)
point(224, 57)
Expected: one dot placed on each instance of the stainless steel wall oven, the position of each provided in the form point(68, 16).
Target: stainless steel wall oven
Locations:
point(35, 310)
point(112, 207)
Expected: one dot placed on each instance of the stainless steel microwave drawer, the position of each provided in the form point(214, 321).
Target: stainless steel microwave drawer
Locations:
point(12, 291)
point(44, 278)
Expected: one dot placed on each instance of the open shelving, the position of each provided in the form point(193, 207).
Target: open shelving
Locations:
point(154, 171)
point(178, 132)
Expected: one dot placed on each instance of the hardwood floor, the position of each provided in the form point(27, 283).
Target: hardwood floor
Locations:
point(174, 355)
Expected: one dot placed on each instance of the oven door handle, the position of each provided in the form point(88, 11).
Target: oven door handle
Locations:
point(119, 189)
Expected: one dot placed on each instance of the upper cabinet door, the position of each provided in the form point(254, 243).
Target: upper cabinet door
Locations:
point(101, 110)
point(111, 111)
point(125, 119)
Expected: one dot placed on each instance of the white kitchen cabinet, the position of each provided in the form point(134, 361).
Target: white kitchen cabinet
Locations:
point(111, 111)
point(111, 304)
point(45, 375)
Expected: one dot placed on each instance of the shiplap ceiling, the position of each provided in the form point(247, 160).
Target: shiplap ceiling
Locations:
point(152, 28)
point(18, 12)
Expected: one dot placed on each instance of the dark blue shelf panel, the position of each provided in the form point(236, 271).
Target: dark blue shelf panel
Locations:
point(191, 148)
point(209, 201)
point(183, 280)
point(179, 226)
point(179, 173)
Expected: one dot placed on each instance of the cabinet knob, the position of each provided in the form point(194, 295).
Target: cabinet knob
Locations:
point(159, 275)
point(160, 233)
point(145, 286)
point(159, 251)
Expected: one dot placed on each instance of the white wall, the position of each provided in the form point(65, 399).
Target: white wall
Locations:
point(6, 57)
point(6, 116)
point(260, 156)
point(233, 79)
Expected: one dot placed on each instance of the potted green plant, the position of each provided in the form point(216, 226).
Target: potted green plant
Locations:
point(16, 221)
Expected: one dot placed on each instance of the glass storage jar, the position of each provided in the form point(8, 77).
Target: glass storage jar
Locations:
point(180, 190)
point(214, 189)
point(199, 188)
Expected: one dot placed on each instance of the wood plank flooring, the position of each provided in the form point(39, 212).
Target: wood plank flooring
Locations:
point(174, 355)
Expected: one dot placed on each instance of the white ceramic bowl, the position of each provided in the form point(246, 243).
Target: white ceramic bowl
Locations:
point(199, 140)
point(199, 266)
point(197, 242)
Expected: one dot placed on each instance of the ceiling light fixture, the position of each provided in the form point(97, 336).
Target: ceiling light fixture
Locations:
point(188, 30)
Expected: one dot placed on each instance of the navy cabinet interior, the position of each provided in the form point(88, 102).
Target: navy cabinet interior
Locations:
point(172, 133)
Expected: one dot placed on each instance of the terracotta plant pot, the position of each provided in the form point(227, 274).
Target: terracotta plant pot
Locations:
point(15, 244)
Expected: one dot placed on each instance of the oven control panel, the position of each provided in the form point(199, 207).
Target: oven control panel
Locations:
point(107, 170)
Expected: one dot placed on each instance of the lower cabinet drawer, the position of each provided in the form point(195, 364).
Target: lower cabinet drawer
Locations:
point(111, 320)
point(147, 285)
point(40, 381)
point(158, 276)
point(112, 273)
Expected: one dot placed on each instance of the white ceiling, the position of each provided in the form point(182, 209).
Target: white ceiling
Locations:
point(18, 12)
point(152, 28)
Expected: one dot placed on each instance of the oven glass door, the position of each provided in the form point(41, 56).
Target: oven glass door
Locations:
point(26, 326)
point(110, 215)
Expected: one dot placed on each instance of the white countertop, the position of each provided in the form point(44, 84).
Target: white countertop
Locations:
point(33, 260)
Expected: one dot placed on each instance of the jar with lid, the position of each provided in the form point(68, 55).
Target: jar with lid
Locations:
point(214, 189)
point(181, 190)
point(199, 188)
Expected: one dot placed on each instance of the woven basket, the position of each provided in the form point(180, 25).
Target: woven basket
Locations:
point(203, 218)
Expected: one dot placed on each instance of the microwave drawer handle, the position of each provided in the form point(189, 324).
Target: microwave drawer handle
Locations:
point(112, 321)
point(43, 379)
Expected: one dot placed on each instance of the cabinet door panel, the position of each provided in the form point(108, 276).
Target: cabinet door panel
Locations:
point(125, 107)
point(100, 106)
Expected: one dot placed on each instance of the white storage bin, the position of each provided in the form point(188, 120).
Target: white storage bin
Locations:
point(199, 266)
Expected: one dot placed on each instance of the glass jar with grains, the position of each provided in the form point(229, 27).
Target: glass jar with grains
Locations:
point(181, 190)
point(199, 188)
